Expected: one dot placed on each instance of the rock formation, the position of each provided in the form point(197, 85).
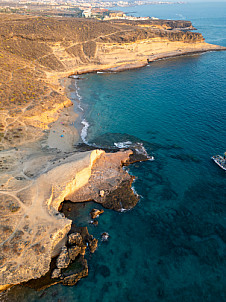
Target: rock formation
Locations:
point(32, 229)
point(69, 266)
point(95, 212)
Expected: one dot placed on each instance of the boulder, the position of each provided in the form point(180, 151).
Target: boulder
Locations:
point(75, 239)
point(73, 252)
point(56, 273)
point(104, 236)
point(63, 259)
point(94, 222)
point(76, 271)
point(93, 243)
point(95, 213)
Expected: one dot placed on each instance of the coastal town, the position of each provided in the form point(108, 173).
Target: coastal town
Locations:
point(101, 10)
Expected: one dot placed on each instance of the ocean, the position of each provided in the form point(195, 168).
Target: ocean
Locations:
point(172, 245)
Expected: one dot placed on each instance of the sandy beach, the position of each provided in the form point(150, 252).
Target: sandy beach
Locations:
point(63, 134)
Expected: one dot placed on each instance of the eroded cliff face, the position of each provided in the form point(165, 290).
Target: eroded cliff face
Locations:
point(32, 229)
point(162, 24)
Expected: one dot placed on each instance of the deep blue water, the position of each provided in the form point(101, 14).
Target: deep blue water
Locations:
point(172, 245)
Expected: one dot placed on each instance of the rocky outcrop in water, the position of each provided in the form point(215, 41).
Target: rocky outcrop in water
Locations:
point(75, 239)
point(95, 213)
point(108, 174)
point(70, 265)
point(34, 231)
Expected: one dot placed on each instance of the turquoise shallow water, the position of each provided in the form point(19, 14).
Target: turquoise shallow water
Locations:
point(172, 245)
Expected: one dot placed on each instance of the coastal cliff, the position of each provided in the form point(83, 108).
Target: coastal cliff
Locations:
point(38, 174)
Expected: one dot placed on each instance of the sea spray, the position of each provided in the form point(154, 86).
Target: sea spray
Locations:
point(84, 131)
point(122, 145)
point(85, 124)
point(79, 98)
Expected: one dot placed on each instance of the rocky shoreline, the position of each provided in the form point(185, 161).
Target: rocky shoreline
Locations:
point(155, 57)
point(70, 265)
point(40, 167)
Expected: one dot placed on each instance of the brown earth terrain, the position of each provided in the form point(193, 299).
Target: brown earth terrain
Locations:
point(36, 51)
point(39, 168)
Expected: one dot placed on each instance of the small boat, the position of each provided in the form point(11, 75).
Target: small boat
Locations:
point(220, 161)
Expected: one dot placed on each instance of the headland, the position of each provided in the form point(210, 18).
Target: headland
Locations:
point(40, 167)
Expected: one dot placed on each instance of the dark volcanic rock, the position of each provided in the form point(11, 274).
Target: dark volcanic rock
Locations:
point(63, 259)
point(93, 245)
point(76, 271)
point(86, 238)
point(70, 266)
point(121, 198)
point(75, 239)
point(139, 154)
point(94, 222)
point(95, 213)
point(73, 252)
point(104, 236)
point(56, 273)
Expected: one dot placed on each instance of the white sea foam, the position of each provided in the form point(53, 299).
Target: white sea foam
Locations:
point(100, 72)
point(73, 76)
point(123, 144)
point(134, 191)
point(84, 122)
point(123, 210)
point(80, 107)
point(84, 131)
point(79, 98)
point(140, 149)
